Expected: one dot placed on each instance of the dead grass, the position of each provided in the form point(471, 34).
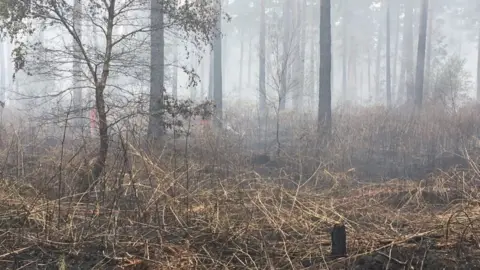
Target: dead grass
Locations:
point(203, 205)
point(262, 226)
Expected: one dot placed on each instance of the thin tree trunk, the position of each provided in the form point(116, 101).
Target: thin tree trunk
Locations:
point(325, 89)
point(203, 80)
point(297, 73)
point(478, 67)
point(312, 77)
point(3, 71)
point(369, 75)
point(387, 57)
point(210, 76)
point(303, 25)
point(428, 60)
point(249, 71)
point(100, 85)
point(420, 73)
point(285, 57)
point(240, 74)
point(175, 73)
point(217, 66)
point(345, 52)
point(378, 89)
point(261, 80)
point(77, 69)
point(395, 56)
point(408, 51)
point(157, 71)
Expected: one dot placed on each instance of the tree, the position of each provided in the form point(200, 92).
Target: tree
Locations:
point(387, 57)
point(325, 86)
point(422, 39)
point(405, 79)
point(261, 79)
point(345, 15)
point(478, 65)
point(217, 69)
point(286, 47)
point(76, 70)
point(157, 70)
point(3, 71)
point(118, 54)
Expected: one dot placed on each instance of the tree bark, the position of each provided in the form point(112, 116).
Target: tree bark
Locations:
point(249, 70)
point(210, 75)
point(156, 128)
point(428, 60)
point(3, 71)
point(395, 56)
point(282, 95)
point(312, 77)
point(217, 70)
point(76, 68)
point(408, 51)
point(345, 52)
point(478, 67)
point(378, 89)
point(240, 74)
point(175, 72)
point(325, 85)
point(420, 72)
point(387, 57)
point(261, 80)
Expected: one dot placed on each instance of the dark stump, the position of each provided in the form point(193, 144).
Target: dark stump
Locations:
point(339, 241)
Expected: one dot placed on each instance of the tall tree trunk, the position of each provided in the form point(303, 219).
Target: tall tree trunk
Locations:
point(408, 51)
point(202, 80)
point(312, 76)
point(369, 75)
point(345, 51)
point(428, 60)
point(175, 72)
point(285, 57)
point(261, 80)
point(303, 44)
point(3, 71)
point(217, 71)
point(157, 71)
point(299, 43)
point(249, 70)
point(378, 90)
point(240, 74)
point(387, 57)
point(352, 73)
point(422, 38)
point(395, 56)
point(478, 66)
point(225, 52)
point(210, 75)
point(77, 69)
point(325, 84)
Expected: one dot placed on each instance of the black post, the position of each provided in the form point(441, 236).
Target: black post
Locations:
point(339, 241)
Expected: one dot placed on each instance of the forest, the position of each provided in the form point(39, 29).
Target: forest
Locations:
point(239, 134)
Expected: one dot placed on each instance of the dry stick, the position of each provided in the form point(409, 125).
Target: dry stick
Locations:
point(15, 252)
point(60, 167)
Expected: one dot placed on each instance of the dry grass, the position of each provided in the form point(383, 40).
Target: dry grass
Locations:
point(262, 226)
point(206, 207)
